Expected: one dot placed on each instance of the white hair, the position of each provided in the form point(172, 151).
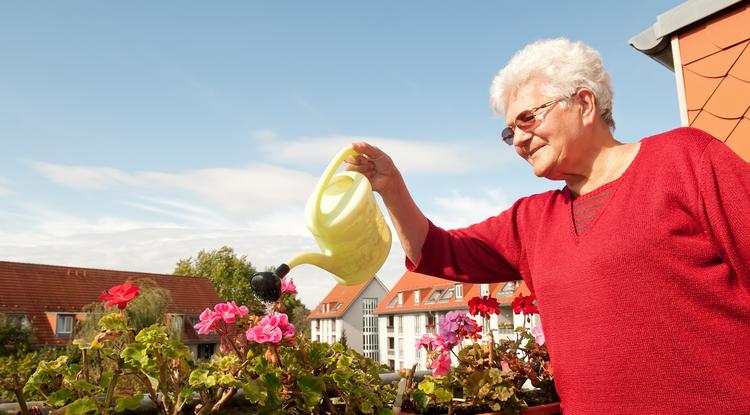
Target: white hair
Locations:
point(563, 66)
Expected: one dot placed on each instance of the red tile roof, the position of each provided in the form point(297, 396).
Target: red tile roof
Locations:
point(34, 289)
point(341, 294)
point(715, 59)
point(428, 286)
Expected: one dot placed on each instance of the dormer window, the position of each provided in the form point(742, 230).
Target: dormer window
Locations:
point(459, 288)
point(338, 305)
point(434, 296)
point(416, 297)
point(400, 298)
point(508, 289)
point(64, 325)
point(447, 295)
point(393, 301)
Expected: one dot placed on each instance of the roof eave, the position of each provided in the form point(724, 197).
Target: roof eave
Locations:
point(658, 49)
point(655, 41)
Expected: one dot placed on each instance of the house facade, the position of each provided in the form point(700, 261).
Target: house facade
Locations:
point(705, 43)
point(350, 311)
point(51, 299)
point(418, 302)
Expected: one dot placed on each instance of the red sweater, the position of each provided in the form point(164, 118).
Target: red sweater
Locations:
point(648, 312)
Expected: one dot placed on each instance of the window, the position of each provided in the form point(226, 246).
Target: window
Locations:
point(400, 298)
point(65, 325)
point(392, 364)
point(434, 296)
point(393, 301)
point(508, 289)
point(400, 324)
point(370, 328)
point(459, 288)
point(390, 321)
point(484, 290)
point(338, 305)
point(391, 343)
point(205, 351)
point(416, 296)
point(447, 295)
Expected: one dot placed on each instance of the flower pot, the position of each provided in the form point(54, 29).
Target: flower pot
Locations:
point(547, 409)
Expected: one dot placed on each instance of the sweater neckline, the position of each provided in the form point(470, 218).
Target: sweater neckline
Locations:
point(613, 185)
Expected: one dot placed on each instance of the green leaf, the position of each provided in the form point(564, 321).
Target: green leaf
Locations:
point(114, 322)
point(443, 395)
point(202, 378)
point(312, 390)
point(366, 408)
point(128, 403)
point(427, 386)
point(81, 407)
point(135, 354)
point(60, 397)
point(255, 392)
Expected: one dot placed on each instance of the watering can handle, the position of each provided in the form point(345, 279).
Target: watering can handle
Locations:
point(331, 170)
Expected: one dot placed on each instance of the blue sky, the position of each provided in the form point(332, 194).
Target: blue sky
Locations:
point(137, 133)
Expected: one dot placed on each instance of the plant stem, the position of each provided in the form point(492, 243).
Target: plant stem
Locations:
point(227, 396)
point(112, 384)
point(21, 401)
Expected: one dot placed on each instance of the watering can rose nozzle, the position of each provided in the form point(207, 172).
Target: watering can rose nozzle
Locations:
point(267, 285)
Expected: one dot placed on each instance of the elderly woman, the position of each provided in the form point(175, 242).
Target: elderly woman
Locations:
point(640, 263)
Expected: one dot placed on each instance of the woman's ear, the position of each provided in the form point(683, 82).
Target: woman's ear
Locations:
point(587, 102)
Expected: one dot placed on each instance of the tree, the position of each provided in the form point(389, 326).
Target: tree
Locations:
point(343, 339)
point(229, 273)
point(14, 334)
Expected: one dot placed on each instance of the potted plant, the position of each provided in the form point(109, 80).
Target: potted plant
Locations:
point(474, 373)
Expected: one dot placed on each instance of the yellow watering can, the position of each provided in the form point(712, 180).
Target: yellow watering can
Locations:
point(348, 226)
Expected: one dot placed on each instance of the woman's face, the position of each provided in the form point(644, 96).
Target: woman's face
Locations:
point(549, 145)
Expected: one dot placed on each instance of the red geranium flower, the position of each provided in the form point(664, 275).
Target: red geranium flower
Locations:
point(525, 304)
point(120, 295)
point(483, 306)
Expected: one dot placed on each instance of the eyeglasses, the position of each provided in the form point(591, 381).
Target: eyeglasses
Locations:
point(527, 120)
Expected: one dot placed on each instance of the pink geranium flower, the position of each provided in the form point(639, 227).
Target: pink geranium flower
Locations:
point(538, 335)
point(229, 311)
point(442, 365)
point(431, 341)
point(209, 321)
point(273, 328)
point(287, 286)
point(120, 295)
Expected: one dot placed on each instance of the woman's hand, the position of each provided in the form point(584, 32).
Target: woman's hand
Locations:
point(410, 224)
point(377, 166)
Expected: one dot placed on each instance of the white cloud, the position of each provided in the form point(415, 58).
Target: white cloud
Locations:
point(79, 177)
point(257, 189)
point(411, 155)
point(459, 210)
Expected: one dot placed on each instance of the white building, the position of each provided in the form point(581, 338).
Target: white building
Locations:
point(418, 302)
point(350, 311)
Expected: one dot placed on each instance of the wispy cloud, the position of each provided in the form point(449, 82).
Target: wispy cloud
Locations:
point(416, 156)
point(459, 210)
point(254, 190)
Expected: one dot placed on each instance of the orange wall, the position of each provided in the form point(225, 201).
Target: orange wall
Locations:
point(715, 62)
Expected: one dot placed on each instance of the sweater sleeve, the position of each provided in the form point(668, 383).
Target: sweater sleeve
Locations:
point(488, 251)
point(725, 193)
